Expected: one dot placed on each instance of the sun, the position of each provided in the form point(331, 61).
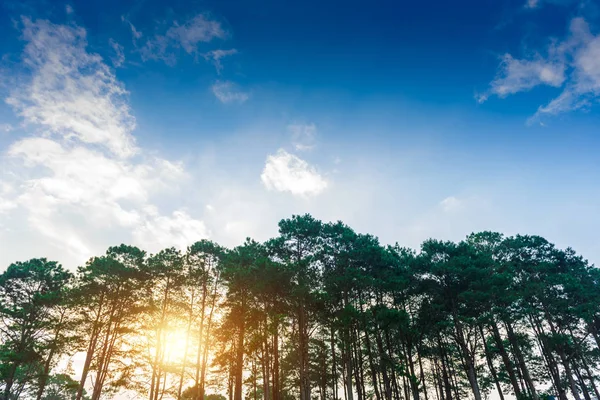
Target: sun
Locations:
point(176, 341)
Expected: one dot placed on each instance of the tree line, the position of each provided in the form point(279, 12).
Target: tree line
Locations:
point(318, 313)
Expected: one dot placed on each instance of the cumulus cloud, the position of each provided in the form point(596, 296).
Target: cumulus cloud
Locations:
point(199, 29)
point(79, 172)
point(215, 57)
point(285, 172)
point(303, 135)
point(229, 92)
point(573, 64)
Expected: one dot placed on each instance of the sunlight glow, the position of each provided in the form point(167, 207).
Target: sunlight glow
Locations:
point(175, 345)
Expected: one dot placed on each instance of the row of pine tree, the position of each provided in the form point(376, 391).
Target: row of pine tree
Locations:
point(319, 312)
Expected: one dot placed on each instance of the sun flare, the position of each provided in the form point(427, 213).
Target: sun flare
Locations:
point(176, 341)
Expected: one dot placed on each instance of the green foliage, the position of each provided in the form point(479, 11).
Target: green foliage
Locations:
point(320, 311)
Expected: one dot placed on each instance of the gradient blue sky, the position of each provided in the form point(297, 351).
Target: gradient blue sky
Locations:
point(158, 123)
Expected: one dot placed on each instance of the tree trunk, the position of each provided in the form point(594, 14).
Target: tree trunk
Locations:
point(91, 348)
point(521, 360)
point(239, 360)
point(508, 365)
point(421, 373)
point(372, 366)
point(201, 341)
point(276, 387)
point(303, 347)
point(469, 363)
point(185, 351)
point(383, 362)
point(491, 364)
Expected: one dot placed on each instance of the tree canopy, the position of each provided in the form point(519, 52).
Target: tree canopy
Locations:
point(319, 312)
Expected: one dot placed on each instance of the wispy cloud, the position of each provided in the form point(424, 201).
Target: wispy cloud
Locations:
point(134, 32)
point(72, 93)
point(535, 4)
point(573, 64)
point(285, 172)
point(303, 136)
point(187, 36)
point(521, 75)
point(7, 201)
point(532, 3)
point(87, 180)
point(119, 57)
point(450, 204)
point(199, 29)
point(215, 57)
point(229, 92)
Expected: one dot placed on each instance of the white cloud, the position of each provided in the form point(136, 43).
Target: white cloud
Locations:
point(583, 86)
point(573, 63)
point(72, 93)
point(85, 182)
point(6, 127)
point(119, 58)
point(200, 29)
point(6, 201)
point(179, 230)
point(215, 57)
point(303, 135)
point(229, 92)
point(285, 172)
point(536, 4)
point(450, 203)
point(134, 32)
point(69, 9)
point(521, 75)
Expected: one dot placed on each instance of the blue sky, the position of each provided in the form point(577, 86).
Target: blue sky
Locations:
point(158, 123)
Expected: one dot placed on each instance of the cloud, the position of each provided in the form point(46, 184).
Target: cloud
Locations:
point(6, 201)
point(229, 92)
point(179, 230)
point(200, 29)
point(450, 203)
point(72, 93)
point(303, 135)
point(78, 177)
point(583, 86)
point(285, 172)
point(521, 75)
point(536, 4)
point(215, 57)
point(134, 32)
point(119, 58)
point(69, 9)
point(6, 127)
point(573, 64)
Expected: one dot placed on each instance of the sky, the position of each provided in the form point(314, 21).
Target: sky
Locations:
point(159, 123)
